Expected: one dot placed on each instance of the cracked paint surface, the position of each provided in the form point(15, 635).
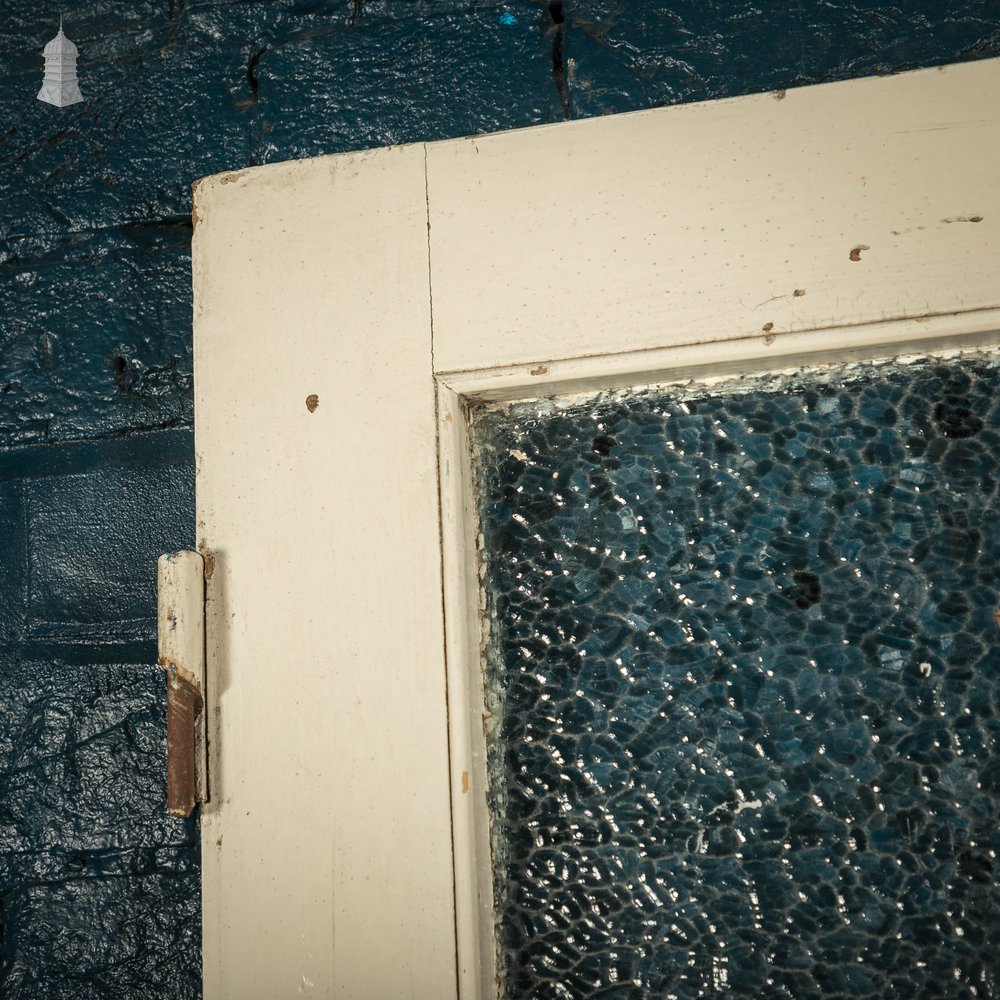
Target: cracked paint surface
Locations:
point(98, 887)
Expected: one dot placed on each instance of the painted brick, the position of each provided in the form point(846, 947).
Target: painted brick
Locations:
point(160, 111)
point(219, 86)
point(95, 335)
point(404, 81)
point(13, 563)
point(156, 450)
point(101, 899)
point(93, 544)
point(622, 55)
point(98, 29)
point(84, 758)
point(358, 16)
point(99, 886)
point(126, 928)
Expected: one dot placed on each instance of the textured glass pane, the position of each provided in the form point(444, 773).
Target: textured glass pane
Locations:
point(744, 686)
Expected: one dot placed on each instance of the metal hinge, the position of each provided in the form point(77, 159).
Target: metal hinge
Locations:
point(181, 652)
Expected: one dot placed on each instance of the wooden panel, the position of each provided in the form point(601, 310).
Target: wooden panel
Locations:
point(595, 253)
point(327, 867)
point(735, 219)
point(463, 608)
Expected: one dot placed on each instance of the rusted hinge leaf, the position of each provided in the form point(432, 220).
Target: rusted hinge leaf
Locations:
point(181, 639)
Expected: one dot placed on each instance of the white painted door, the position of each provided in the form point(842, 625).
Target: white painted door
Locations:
point(348, 312)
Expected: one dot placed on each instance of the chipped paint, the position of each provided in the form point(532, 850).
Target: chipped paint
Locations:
point(181, 641)
point(133, 168)
point(195, 215)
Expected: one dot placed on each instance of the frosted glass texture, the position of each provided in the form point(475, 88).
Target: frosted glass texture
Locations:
point(743, 687)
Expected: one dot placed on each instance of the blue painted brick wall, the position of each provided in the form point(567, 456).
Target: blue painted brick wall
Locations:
point(98, 887)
